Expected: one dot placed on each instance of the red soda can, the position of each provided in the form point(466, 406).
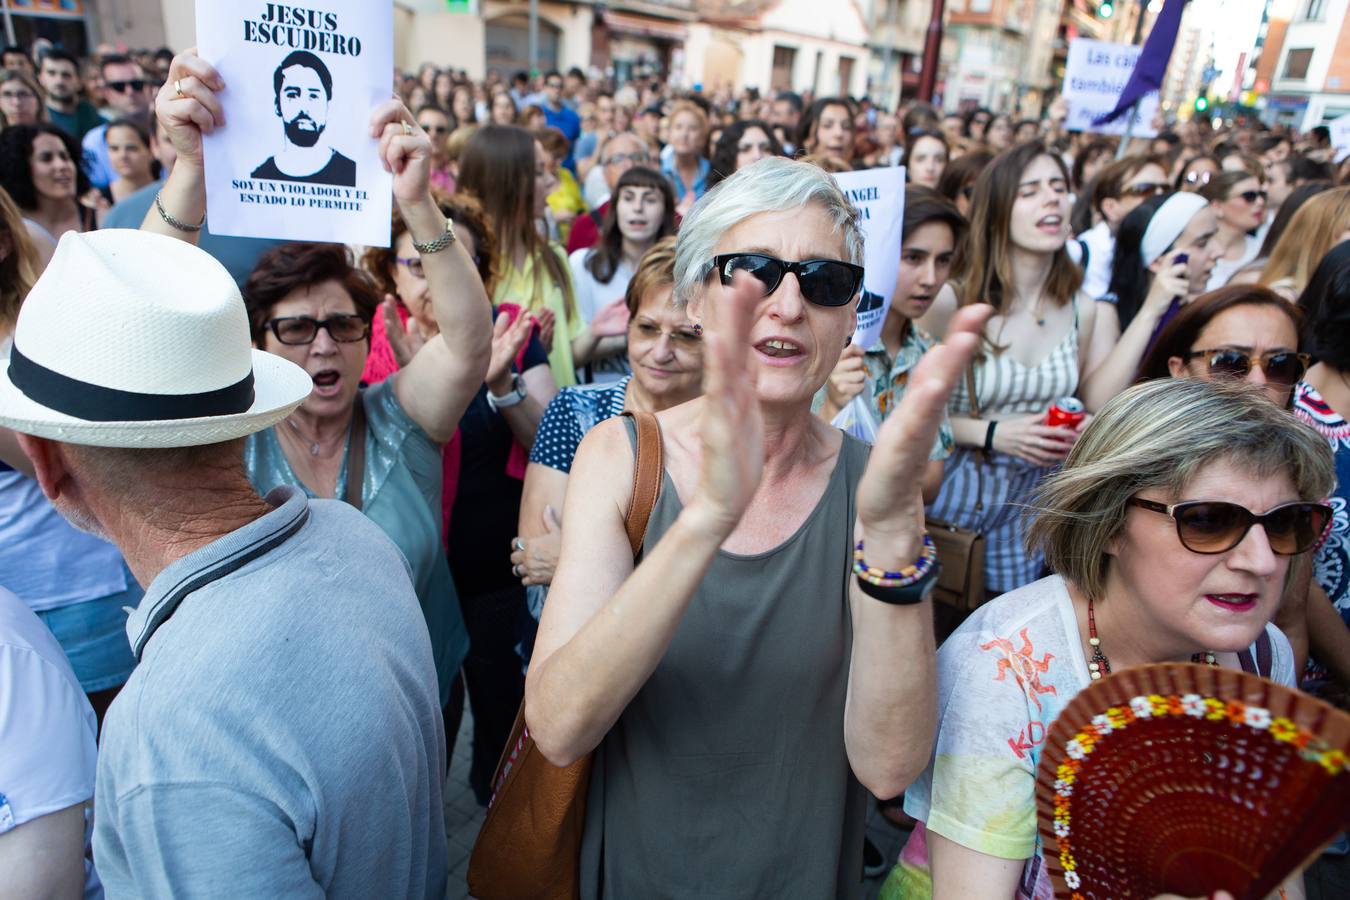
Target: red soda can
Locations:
point(1066, 411)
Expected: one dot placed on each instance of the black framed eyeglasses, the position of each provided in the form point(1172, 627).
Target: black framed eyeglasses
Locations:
point(1215, 526)
point(824, 282)
point(293, 330)
point(1280, 366)
point(121, 87)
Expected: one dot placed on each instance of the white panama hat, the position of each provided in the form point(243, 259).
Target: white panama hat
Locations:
point(135, 339)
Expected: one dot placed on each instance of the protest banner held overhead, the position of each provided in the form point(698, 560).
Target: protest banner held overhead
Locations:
point(295, 159)
point(1094, 76)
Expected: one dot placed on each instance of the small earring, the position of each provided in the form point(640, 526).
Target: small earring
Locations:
point(848, 340)
point(698, 329)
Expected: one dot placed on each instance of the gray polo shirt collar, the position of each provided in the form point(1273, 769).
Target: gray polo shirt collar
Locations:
point(216, 560)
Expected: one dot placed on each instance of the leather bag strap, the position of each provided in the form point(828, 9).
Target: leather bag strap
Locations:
point(647, 471)
point(356, 452)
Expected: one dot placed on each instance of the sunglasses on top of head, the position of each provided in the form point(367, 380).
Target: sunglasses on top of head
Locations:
point(824, 282)
point(1215, 526)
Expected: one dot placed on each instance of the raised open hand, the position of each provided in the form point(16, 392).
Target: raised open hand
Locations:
point(731, 428)
point(404, 340)
point(507, 339)
point(890, 505)
point(187, 106)
point(611, 320)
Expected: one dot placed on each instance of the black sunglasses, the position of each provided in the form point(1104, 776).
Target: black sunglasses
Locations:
point(293, 330)
point(1251, 196)
point(1145, 189)
point(824, 282)
point(121, 87)
point(1280, 366)
point(1213, 526)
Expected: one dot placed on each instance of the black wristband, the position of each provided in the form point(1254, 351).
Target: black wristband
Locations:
point(902, 596)
point(989, 437)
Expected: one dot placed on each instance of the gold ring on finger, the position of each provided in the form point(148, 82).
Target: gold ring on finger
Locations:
point(178, 88)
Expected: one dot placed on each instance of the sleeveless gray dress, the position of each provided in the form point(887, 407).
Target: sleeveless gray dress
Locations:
point(726, 776)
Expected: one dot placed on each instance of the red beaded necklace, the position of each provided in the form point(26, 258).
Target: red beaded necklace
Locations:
point(1099, 665)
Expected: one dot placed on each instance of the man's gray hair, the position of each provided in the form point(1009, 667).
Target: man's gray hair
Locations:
point(770, 185)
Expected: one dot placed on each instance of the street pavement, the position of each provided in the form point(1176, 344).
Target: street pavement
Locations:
point(1327, 879)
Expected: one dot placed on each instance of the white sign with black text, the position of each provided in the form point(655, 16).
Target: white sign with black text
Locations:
point(1094, 75)
point(295, 159)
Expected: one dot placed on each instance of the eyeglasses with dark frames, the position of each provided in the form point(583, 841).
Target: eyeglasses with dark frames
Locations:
point(1215, 526)
point(824, 282)
point(296, 330)
point(1279, 366)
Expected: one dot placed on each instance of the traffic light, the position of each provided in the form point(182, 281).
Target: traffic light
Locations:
point(1201, 104)
point(1106, 10)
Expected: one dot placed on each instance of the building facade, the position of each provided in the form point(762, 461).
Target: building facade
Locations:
point(1310, 83)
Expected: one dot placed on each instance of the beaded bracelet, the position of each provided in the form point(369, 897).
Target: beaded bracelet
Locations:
point(905, 577)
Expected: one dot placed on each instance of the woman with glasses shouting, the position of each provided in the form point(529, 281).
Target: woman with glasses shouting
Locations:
point(379, 448)
point(1239, 200)
point(1170, 531)
point(740, 671)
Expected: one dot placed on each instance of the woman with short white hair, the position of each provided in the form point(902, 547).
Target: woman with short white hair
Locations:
point(739, 673)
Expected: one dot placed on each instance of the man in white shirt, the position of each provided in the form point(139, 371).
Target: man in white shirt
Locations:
point(1117, 190)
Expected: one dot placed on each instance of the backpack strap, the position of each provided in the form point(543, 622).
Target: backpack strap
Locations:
point(1263, 661)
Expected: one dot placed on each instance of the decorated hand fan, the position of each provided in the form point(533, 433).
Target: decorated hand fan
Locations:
point(1188, 779)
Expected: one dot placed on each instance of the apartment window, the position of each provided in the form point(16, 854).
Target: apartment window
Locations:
point(784, 58)
point(1296, 63)
point(1315, 10)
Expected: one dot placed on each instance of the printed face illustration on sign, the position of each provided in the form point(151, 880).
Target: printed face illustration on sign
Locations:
point(303, 90)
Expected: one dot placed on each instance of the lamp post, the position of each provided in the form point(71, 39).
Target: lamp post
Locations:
point(931, 49)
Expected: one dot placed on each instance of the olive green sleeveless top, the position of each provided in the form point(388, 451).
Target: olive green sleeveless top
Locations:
point(726, 776)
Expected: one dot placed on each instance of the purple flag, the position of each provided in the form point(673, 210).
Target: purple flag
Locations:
point(1151, 66)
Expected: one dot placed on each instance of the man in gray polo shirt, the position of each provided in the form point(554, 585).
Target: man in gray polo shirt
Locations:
point(281, 735)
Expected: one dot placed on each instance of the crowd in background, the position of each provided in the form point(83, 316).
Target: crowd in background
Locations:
point(491, 382)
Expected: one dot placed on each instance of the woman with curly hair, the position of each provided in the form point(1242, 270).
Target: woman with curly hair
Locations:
point(742, 143)
point(40, 168)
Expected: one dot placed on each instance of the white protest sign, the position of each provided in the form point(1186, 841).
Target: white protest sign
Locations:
point(879, 194)
point(295, 159)
point(1340, 134)
point(1094, 75)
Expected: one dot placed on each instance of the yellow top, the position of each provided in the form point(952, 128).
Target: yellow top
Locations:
point(566, 197)
point(517, 286)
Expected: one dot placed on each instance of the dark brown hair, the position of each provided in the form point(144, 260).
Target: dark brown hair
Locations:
point(1111, 180)
point(467, 214)
point(1178, 336)
point(962, 171)
point(986, 265)
point(497, 167)
point(290, 267)
point(604, 258)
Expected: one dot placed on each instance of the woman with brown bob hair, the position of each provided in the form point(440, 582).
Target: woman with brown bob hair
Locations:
point(1036, 349)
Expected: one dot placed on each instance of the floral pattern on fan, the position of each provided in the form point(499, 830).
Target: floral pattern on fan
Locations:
point(1195, 746)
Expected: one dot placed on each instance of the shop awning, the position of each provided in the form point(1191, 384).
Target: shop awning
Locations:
point(645, 26)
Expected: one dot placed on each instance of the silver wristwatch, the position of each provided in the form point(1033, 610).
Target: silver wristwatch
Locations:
point(511, 397)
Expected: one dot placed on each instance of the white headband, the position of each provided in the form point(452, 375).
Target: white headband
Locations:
point(1168, 223)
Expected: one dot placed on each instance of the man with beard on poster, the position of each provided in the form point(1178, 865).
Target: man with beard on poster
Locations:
point(304, 88)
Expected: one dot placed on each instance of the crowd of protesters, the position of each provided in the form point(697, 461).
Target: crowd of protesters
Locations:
point(240, 619)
